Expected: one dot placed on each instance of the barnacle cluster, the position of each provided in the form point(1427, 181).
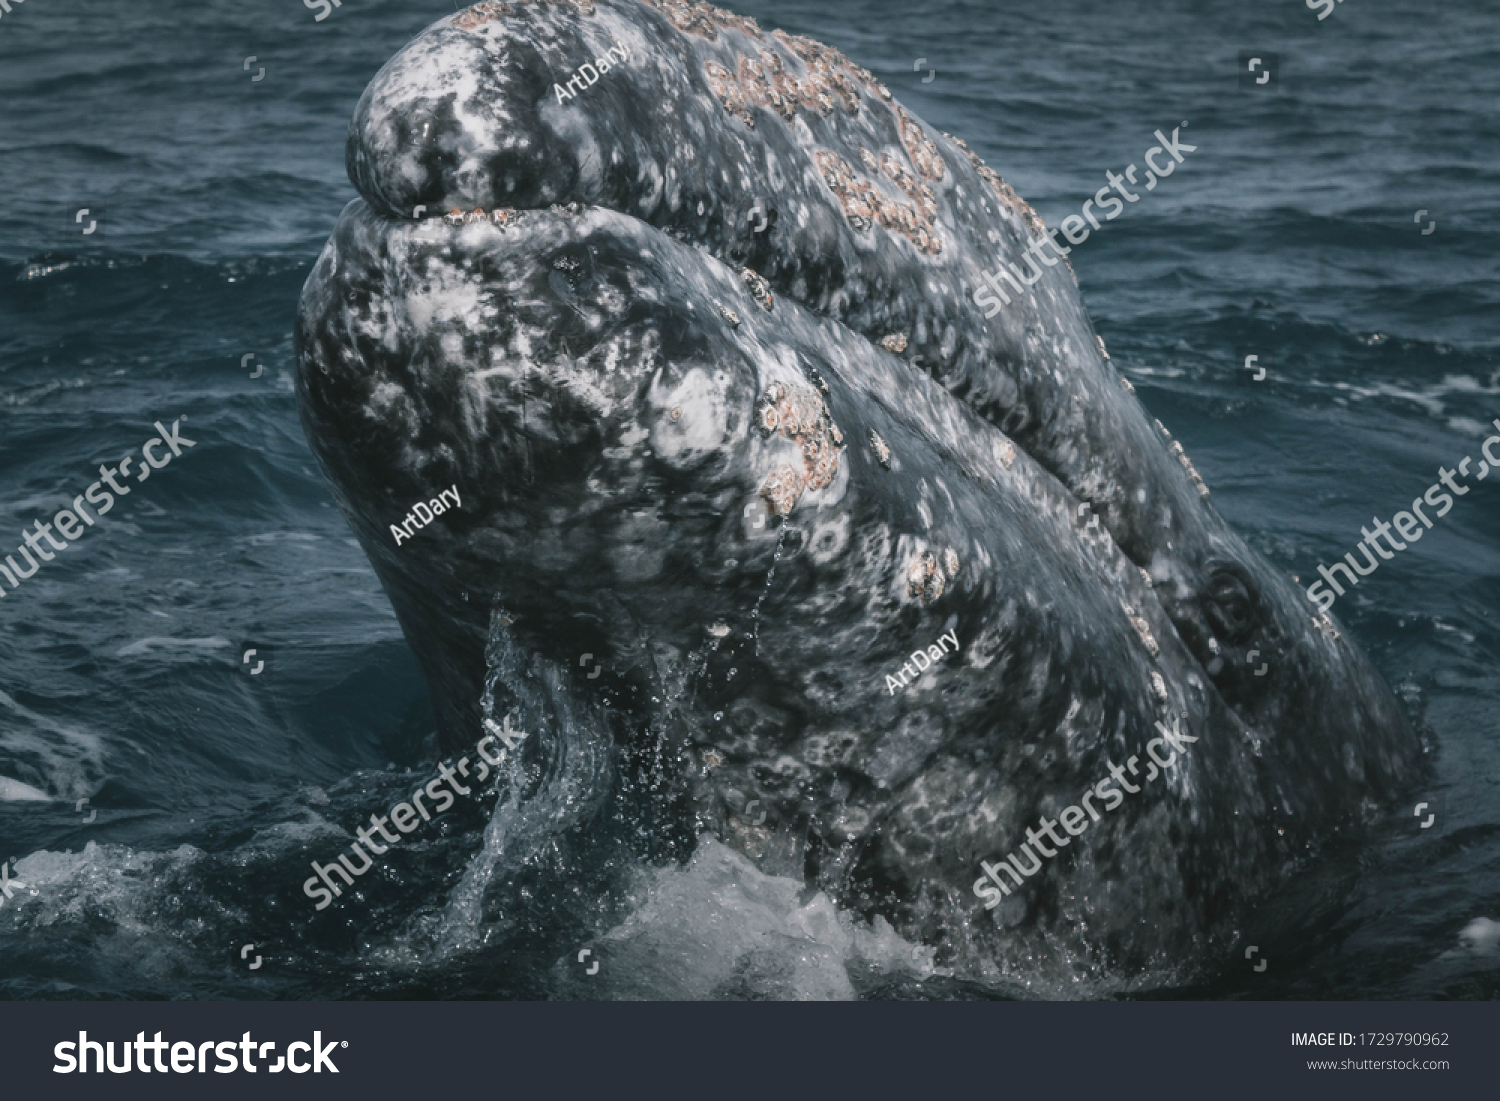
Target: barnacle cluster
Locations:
point(1142, 628)
point(799, 414)
point(1006, 193)
point(490, 10)
point(863, 204)
point(502, 218)
point(929, 574)
point(759, 289)
point(479, 14)
point(924, 154)
point(704, 20)
point(1187, 464)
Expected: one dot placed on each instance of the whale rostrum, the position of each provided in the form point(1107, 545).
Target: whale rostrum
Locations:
point(722, 412)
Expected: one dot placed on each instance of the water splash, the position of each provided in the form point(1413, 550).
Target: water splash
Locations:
point(559, 776)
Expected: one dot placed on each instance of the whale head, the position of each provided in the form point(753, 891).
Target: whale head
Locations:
point(692, 319)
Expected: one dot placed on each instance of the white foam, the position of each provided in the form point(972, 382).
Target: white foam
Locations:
point(147, 646)
point(14, 791)
point(1481, 934)
point(719, 927)
point(65, 760)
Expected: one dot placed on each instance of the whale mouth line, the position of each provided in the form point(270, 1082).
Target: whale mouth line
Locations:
point(1091, 530)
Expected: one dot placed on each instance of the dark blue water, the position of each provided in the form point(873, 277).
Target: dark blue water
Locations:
point(1290, 233)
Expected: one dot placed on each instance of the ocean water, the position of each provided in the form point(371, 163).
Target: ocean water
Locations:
point(1292, 232)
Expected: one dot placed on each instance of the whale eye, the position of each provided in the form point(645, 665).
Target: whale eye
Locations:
point(1231, 605)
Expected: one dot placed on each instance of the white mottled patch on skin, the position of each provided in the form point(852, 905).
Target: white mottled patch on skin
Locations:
point(632, 436)
point(572, 129)
point(653, 184)
point(828, 539)
point(447, 296)
point(690, 419)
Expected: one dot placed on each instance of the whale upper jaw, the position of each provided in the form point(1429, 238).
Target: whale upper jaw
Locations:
point(701, 452)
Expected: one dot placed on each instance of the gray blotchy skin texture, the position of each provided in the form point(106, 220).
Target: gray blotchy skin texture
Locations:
point(576, 375)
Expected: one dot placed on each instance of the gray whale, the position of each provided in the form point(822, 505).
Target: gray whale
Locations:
point(695, 342)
